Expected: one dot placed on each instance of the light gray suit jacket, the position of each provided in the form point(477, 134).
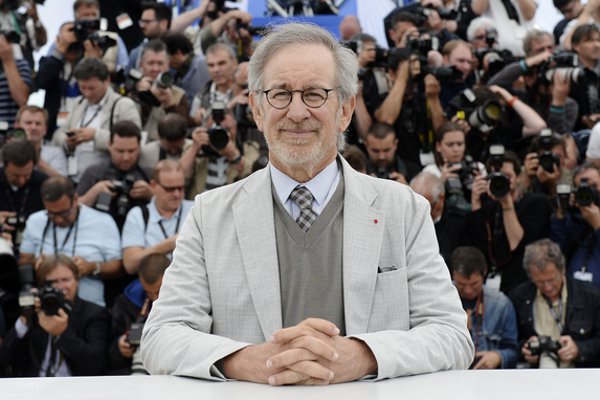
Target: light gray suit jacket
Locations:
point(222, 290)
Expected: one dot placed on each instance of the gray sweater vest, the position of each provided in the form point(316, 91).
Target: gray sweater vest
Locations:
point(310, 264)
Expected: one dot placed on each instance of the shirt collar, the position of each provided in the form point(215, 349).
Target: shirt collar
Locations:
point(319, 186)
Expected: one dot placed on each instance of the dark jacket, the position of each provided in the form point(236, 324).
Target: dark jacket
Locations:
point(83, 344)
point(485, 230)
point(125, 311)
point(582, 321)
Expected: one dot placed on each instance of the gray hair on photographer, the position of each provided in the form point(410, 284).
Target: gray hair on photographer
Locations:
point(538, 254)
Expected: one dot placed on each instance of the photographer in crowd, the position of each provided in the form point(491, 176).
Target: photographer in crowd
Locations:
point(217, 156)
point(453, 166)
point(129, 314)
point(86, 133)
point(63, 335)
point(558, 317)
point(51, 160)
point(55, 76)
point(383, 161)
point(222, 64)
point(547, 77)
point(501, 224)
point(575, 226)
point(586, 43)
point(172, 142)
point(118, 184)
point(449, 222)
point(191, 72)
point(91, 238)
point(228, 26)
point(491, 317)
point(153, 228)
point(154, 92)
point(20, 185)
point(546, 164)
point(412, 106)
point(154, 22)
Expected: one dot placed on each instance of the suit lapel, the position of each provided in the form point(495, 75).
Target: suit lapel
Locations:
point(255, 229)
point(363, 232)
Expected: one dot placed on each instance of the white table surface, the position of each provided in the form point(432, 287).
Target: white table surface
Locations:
point(576, 384)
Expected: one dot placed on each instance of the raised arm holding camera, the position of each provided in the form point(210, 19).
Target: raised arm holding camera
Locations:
point(60, 334)
point(501, 224)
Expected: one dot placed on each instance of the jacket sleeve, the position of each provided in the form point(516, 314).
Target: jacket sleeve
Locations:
point(84, 343)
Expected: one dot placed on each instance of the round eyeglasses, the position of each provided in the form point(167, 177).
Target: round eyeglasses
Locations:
point(281, 98)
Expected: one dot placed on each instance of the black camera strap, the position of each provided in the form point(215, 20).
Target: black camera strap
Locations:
point(162, 228)
point(85, 124)
point(56, 249)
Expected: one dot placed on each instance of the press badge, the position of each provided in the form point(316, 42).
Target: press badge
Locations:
point(583, 276)
point(124, 21)
point(426, 158)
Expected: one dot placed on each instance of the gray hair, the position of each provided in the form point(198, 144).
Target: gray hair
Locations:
point(303, 34)
point(426, 182)
point(478, 23)
point(534, 35)
point(539, 254)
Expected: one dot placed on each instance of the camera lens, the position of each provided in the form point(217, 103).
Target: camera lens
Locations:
point(499, 185)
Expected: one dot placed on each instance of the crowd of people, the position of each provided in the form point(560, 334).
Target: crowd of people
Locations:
point(491, 120)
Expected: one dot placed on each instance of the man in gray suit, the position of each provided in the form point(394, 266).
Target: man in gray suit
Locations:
point(306, 272)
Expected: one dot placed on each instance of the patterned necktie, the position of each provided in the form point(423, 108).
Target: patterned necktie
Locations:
point(303, 198)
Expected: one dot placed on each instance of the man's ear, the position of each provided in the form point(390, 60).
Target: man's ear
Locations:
point(257, 111)
point(346, 113)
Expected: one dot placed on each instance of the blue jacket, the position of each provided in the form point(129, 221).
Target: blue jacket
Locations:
point(499, 331)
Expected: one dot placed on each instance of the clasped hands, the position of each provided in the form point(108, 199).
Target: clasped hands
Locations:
point(310, 353)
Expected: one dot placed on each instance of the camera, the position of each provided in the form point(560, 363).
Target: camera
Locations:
point(164, 80)
point(52, 300)
point(543, 344)
point(125, 82)
point(444, 74)
point(563, 62)
point(217, 135)
point(11, 36)
point(91, 30)
point(547, 159)
point(466, 175)
point(499, 183)
point(121, 188)
point(135, 333)
point(481, 114)
point(423, 46)
point(252, 30)
point(585, 194)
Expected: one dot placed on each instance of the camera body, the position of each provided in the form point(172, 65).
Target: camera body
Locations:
point(121, 188)
point(543, 344)
point(586, 194)
point(499, 183)
point(564, 62)
point(91, 30)
point(11, 36)
point(547, 159)
point(218, 136)
point(466, 175)
point(51, 299)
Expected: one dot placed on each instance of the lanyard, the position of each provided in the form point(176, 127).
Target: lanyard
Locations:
point(84, 124)
point(56, 249)
point(162, 228)
point(557, 315)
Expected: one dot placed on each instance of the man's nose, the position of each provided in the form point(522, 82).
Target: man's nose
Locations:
point(297, 110)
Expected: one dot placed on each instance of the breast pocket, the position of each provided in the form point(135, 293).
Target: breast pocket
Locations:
point(390, 305)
